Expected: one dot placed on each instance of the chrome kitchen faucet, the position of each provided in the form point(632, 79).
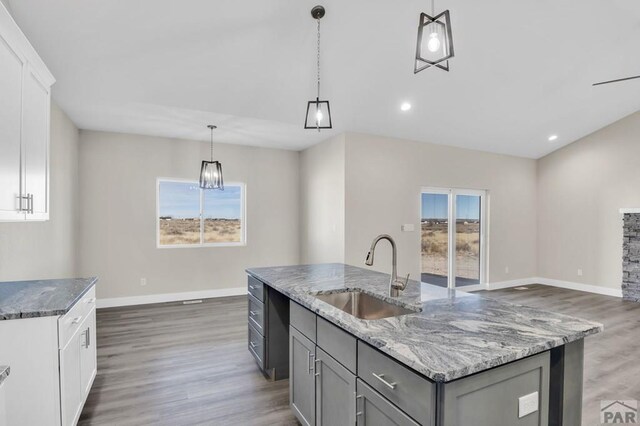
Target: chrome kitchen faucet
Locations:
point(395, 285)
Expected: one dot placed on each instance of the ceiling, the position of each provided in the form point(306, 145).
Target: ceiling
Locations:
point(522, 71)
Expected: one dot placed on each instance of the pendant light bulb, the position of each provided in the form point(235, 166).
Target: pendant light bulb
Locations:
point(319, 116)
point(434, 42)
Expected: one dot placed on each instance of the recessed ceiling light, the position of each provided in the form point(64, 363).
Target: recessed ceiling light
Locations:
point(553, 138)
point(406, 106)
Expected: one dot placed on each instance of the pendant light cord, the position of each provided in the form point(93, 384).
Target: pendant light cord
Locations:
point(318, 57)
point(212, 144)
point(433, 7)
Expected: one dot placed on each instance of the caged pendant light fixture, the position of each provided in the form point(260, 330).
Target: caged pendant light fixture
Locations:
point(318, 112)
point(435, 44)
point(211, 171)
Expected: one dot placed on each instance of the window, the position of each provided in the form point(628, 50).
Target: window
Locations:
point(192, 217)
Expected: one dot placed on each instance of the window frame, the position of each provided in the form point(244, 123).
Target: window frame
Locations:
point(452, 193)
point(202, 244)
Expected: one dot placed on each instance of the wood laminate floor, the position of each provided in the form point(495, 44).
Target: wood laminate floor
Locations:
point(174, 364)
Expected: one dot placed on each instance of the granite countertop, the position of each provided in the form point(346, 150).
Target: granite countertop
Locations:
point(452, 334)
point(4, 373)
point(41, 298)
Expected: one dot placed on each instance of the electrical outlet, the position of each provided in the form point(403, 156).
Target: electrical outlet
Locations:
point(506, 269)
point(579, 272)
point(143, 281)
point(527, 404)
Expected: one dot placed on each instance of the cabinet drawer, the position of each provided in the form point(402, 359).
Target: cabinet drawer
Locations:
point(256, 346)
point(337, 343)
point(256, 288)
point(414, 394)
point(303, 320)
point(256, 314)
point(70, 322)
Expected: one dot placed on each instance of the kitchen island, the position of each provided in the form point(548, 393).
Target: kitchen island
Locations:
point(452, 353)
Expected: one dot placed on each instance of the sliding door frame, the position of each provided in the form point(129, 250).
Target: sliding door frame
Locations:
point(452, 194)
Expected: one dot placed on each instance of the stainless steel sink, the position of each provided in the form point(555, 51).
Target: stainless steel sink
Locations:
point(363, 305)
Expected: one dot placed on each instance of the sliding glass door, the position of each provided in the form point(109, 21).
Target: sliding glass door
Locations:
point(452, 229)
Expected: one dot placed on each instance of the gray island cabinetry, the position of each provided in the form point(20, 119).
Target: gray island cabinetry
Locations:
point(442, 364)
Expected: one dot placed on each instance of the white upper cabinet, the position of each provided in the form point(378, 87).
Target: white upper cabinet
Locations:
point(25, 89)
point(11, 72)
point(35, 146)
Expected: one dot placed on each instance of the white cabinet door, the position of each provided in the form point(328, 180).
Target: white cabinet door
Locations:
point(35, 145)
point(70, 380)
point(88, 355)
point(3, 416)
point(11, 74)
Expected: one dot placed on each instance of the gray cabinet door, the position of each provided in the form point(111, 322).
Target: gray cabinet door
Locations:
point(465, 400)
point(301, 377)
point(335, 391)
point(374, 410)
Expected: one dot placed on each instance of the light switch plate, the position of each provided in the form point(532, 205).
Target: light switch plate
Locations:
point(527, 404)
point(409, 227)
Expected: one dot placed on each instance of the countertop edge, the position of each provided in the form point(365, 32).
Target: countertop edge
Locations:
point(439, 376)
point(53, 312)
point(5, 370)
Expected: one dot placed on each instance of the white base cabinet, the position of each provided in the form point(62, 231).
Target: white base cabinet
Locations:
point(3, 416)
point(25, 87)
point(53, 365)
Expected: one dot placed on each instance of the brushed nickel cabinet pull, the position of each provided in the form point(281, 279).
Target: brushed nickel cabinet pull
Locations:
point(381, 378)
point(314, 367)
point(252, 313)
point(253, 345)
point(310, 364)
point(76, 320)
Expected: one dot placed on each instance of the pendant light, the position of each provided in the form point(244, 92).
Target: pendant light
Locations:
point(211, 171)
point(435, 44)
point(318, 112)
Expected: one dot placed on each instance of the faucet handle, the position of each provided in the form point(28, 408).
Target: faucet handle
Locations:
point(402, 283)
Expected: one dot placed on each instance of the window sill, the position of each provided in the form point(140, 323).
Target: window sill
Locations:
point(210, 245)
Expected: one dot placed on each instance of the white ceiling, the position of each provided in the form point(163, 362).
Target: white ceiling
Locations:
point(522, 71)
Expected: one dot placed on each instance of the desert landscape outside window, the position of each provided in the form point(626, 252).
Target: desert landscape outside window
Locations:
point(190, 217)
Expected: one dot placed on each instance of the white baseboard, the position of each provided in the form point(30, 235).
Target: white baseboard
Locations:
point(169, 297)
point(588, 288)
point(606, 291)
point(511, 283)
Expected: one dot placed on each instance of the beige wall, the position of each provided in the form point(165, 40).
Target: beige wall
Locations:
point(118, 216)
point(384, 178)
point(322, 202)
point(581, 188)
point(38, 250)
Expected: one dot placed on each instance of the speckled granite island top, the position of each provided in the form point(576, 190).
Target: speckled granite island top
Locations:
point(452, 334)
point(4, 373)
point(41, 298)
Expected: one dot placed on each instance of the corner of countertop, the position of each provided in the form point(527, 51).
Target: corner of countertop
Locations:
point(5, 370)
